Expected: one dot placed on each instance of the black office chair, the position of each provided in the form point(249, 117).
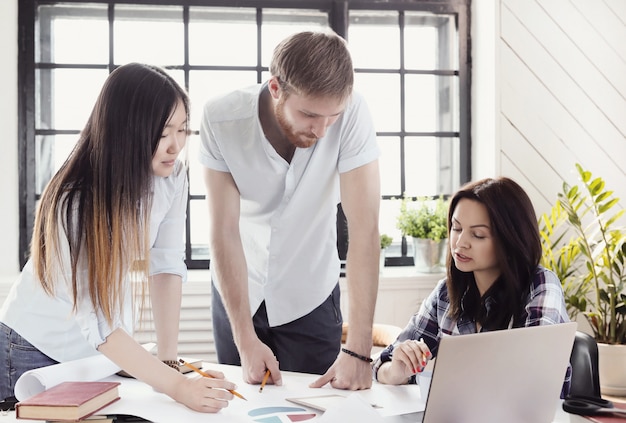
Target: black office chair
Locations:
point(584, 361)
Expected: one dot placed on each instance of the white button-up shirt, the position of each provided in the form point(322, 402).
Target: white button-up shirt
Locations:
point(288, 210)
point(49, 323)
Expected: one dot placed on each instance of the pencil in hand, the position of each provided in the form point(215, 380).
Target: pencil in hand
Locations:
point(197, 370)
point(267, 375)
point(424, 356)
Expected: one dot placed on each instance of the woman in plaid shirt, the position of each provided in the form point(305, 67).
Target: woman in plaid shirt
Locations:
point(494, 280)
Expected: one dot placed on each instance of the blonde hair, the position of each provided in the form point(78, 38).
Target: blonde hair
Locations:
point(316, 64)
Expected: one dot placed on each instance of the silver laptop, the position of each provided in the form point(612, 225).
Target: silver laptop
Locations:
point(512, 376)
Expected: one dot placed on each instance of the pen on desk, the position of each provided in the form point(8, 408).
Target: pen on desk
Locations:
point(267, 375)
point(197, 370)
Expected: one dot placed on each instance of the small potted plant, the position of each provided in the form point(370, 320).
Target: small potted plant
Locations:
point(585, 245)
point(385, 242)
point(426, 221)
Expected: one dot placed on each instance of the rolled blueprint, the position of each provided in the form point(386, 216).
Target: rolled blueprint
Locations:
point(91, 368)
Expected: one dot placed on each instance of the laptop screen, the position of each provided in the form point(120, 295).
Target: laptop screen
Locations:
point(512, 376)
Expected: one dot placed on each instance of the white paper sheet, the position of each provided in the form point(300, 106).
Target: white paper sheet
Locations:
point(139, 399)
point(86, 369)
point(353, 409)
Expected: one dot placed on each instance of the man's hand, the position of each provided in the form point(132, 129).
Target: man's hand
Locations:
point(256, 358)
point(346, 373)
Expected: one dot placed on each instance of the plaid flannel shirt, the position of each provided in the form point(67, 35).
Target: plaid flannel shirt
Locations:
point(545, 305)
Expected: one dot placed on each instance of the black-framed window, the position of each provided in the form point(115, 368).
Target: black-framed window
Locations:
point(411, 61)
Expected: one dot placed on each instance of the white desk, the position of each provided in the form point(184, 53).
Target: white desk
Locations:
point(139, 399)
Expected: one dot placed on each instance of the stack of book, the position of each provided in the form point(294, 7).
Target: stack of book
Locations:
point(69, 401)
point(95, 418)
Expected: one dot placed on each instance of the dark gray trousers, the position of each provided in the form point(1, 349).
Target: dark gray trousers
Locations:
point(309, 344)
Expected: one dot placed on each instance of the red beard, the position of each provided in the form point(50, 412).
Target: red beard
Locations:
point(299, 139)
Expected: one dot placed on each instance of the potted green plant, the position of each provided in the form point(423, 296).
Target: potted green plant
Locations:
point(385, 242)
point(426, 221)
point(584, 242)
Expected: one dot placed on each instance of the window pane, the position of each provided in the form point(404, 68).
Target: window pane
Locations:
point(449, 165)
point(427, 163)
point(389, 210)
point(431, 103)
point(196, 170)
point(58, 41)
point(198, 218)
point(382, 93)
point(279, 23)
point(51, 152)
point(149, 34)
point(374, 38)
point(204, 85)
point(430, 42)
point(389, 165)
point(210, 27)
point(420, 163)
point(66, 96)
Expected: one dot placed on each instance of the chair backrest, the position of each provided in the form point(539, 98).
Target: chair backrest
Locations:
point(584, 361)
point(382, 334)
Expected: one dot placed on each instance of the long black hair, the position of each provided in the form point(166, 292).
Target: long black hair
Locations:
point(100, 198)
point(517, 244)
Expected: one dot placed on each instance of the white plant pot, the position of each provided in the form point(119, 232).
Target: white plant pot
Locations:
point(382, 260)
point(429, 256)
point(612, 369)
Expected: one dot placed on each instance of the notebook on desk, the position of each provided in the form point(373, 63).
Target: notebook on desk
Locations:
point(512, 376)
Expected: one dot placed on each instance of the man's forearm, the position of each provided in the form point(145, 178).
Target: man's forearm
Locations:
point(232, 275)
point(362, 280)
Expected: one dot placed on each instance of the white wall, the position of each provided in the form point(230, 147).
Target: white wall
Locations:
point(9, 230)
point(485, 79)
point(562, 93)
point(548, 91)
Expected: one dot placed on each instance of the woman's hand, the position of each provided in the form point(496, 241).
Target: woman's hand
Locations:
point(409, 357)
point(203, 394)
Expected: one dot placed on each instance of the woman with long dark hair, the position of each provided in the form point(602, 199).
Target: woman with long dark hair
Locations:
point(109, 225)
point(494, 280)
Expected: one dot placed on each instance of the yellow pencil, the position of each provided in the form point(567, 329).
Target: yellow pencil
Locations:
point(423, 355)
point(197, 370)
point(267, 375)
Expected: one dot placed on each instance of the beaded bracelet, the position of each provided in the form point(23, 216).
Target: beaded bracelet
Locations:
point(173, 364)
point(355, 355)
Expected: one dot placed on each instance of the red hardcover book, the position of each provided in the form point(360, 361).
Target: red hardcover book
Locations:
point(68, 401)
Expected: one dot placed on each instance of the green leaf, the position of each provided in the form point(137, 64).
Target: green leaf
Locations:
point(583, 241)
point(603, 208)
point(596, 186)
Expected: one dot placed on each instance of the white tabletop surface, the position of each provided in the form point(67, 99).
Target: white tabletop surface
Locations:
point(560, 417)
point(397, 403)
